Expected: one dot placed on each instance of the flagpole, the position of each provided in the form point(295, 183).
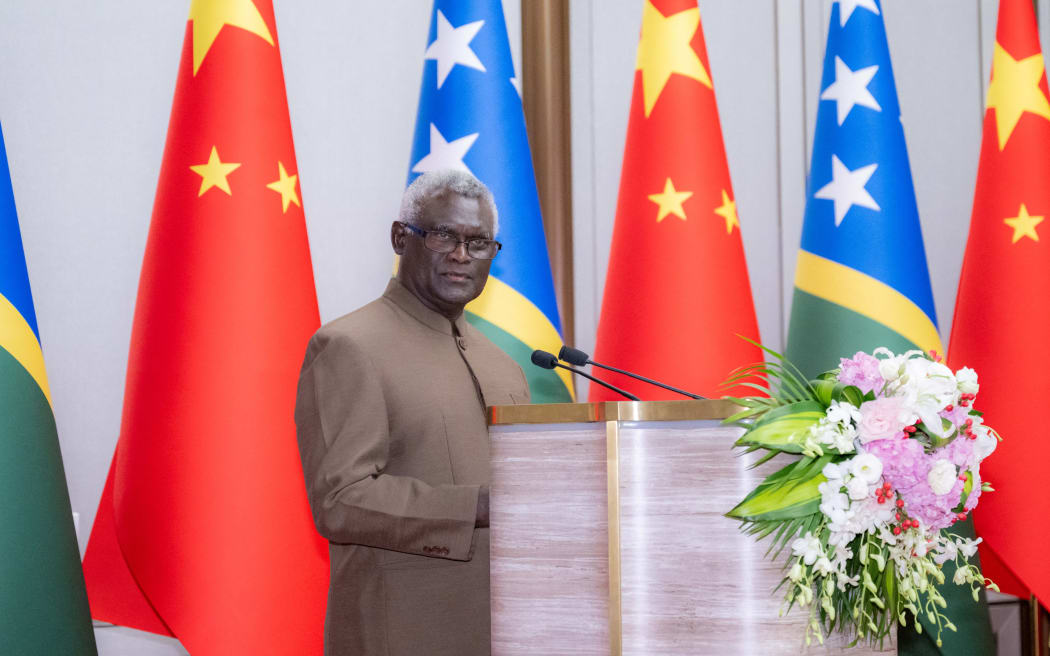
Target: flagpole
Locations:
point(1037, 640)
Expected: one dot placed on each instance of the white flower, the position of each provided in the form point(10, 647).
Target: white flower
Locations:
point(831, 471)
point(960, 576)
point(843, 412)
point(823, 566)
point(795, 574)
point(942, 477)
point(857, 488)
point(867, 467)
point(968, 547)
point(947, 552)
point(891, 368)
point(808, 547)
point(984, 444)
point(967, 380)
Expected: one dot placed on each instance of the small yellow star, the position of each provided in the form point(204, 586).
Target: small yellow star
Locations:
point(285, 185)
point(213, 174)
point(670, 201)
point(1023, 225)
point(1015, 90)
point(665, 49)
point(728, 212)
point(209, 17)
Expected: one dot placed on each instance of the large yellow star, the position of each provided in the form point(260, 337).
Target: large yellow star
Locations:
point(728, 212)
point(1023, 225)
point(213, 174)
point(1015, 90)
point(665, 49)
point(670, 201)
point(285, 185)
point(209, 17)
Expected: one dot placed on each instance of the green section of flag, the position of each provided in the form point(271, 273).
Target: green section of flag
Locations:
point(43, 603)
point(820, 333)
point(545, 385)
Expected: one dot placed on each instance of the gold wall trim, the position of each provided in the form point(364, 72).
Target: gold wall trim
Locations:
point(612, 461)
point(547, 105)
point(570, 413)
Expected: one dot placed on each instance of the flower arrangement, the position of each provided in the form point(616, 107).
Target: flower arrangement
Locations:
point(888, 452)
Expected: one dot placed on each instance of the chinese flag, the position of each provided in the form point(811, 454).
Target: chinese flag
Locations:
point(677, 295)
point(203, 530)
point(1002, 313)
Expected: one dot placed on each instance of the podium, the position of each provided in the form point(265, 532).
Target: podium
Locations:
point(608, 536)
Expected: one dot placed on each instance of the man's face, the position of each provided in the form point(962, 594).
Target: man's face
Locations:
point(445, 282)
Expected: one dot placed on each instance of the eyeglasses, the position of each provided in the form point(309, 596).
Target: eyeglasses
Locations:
point(440, 241)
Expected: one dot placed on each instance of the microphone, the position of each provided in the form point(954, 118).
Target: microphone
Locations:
point(579, 358)
point(548, 361)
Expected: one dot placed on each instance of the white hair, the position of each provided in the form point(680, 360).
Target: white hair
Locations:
point(435, 183)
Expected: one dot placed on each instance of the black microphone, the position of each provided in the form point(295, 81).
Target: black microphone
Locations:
point(548, 361)
point(579, 358)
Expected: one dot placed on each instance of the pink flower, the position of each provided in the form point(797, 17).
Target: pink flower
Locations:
point(861, 370)
point(880, 419)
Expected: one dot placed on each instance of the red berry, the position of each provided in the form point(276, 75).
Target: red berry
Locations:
point(900, 503)
point(882, 499)
point(961, 516)
point(969, 422)
point(949, 407)
point(886, 486)
point(897, 516)
point(896, 530)
point(915, 523)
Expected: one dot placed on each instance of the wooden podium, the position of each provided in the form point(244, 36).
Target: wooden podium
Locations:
point(608, 535)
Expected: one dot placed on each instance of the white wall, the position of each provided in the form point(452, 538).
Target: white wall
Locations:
point(86, 89)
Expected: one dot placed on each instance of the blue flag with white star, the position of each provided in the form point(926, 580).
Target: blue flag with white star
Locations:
point(861, 281)
point(470, 118)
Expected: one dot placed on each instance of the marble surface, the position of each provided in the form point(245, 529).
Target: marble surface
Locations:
point(691, 582)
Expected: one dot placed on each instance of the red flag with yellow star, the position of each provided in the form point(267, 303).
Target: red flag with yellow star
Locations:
point(1002, 313)
point(677, 294)
point(204, 531)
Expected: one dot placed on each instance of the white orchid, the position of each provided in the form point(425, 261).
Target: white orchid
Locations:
point(808, 548)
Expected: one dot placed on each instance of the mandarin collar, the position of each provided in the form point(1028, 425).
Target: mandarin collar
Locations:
point(400, 296)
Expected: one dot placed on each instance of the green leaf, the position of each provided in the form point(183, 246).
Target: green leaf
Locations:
point(784, 428)
point(823, 389)
point(773, 499)
point(967, 488)
point(853, 394)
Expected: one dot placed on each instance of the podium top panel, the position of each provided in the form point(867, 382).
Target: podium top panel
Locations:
point(571, 413)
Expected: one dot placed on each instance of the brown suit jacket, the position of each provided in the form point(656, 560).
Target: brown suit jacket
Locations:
point(394, 445)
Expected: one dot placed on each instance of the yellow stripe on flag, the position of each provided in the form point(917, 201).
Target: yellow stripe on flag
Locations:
point(866, 296)
point(18, 339)
point(505, 307)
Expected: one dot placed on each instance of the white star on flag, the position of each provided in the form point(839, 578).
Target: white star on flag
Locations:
point(851, 88)
point(452, 46)
point(846, 188)
point(445, 154)
point(846, 8)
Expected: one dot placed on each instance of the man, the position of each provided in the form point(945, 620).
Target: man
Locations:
point(393, 438)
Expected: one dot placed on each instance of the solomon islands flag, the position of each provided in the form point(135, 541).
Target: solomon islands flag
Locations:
point(470, 118)
point(43, 603)
point(862, 279)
